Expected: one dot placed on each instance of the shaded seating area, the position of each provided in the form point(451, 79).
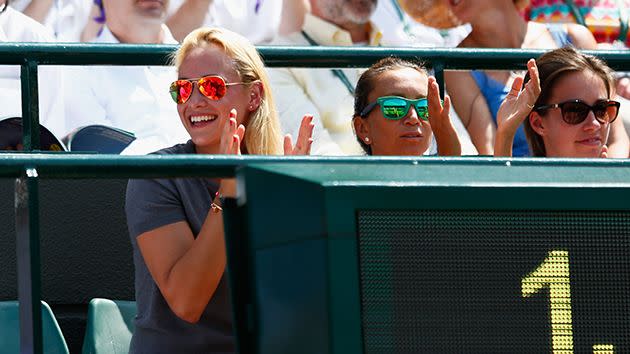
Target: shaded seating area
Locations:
point(54, 341)
point(109, 326)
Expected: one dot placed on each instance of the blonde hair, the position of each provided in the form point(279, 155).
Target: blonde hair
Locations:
point(262, 133)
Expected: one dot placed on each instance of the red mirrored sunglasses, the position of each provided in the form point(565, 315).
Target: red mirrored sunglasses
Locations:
point(214, 87)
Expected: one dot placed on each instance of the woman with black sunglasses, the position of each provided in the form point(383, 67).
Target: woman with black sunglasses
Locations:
point(397, 110)
point(224, 101)
point(565, 108)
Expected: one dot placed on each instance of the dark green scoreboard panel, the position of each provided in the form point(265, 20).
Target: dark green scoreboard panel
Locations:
point(435, 256)
point(482, 281)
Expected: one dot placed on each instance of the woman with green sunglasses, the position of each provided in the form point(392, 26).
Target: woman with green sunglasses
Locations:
point(397, 110)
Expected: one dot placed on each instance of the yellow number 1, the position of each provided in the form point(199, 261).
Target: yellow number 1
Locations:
point(554, 274)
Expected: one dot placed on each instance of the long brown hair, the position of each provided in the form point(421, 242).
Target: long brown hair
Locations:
point(553, 66)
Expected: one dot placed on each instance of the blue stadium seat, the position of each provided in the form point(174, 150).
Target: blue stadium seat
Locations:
point(54, 342)
point(109, 326)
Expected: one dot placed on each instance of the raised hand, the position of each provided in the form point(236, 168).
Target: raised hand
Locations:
point(304, 140)
point(439, 117)
point(604, 153)
point(516, 106)
point(232, 136)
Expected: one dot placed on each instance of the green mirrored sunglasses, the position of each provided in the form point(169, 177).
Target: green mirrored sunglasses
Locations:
point(396, 107)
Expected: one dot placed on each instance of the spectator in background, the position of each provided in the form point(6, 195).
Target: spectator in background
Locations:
point(399, 29)
point(16, 27)
point(606, 19)
point(258, 20)
point(327, 94)
point(129, 98)
point(66, 19)
point(478, 94)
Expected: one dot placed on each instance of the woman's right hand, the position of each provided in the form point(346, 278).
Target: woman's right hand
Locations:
point(515, 108)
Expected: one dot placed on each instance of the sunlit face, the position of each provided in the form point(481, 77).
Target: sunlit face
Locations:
point(409, 136)
point(209, 116)
point(341, 11)
point(585, 139)
point(136, 10)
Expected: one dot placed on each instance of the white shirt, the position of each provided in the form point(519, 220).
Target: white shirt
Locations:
point(318, 91)
point(134, 98)
point(298, 91)
point(16, 27)
point(257, 20)
point(66, 18)
point(401, 30)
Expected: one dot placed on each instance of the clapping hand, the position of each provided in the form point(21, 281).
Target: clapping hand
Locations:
point(516, 106)
point(440, 120)
point(304, 139)
point(233, 134)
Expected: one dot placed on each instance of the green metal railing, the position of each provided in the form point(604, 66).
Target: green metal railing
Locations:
point(28, 168)
point(30, 56)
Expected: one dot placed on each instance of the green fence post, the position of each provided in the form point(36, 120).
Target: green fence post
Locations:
point(28, 262)
point(438, 72)
point(30, 106)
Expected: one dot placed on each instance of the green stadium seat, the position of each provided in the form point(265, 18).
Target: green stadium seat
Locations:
point(54, 342)
point(109, 326)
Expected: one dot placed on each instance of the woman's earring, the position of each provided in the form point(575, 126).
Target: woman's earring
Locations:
point(367, 140)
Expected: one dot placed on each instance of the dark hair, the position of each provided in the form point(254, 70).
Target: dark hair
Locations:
point(367, 82)
point(553, 66)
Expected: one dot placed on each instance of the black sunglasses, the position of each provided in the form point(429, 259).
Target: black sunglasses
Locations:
point(576, 111)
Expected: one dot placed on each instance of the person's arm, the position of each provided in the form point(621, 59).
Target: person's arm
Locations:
point(38, 9)
point(188, 17)
point(188, 269)
point(472, 109)
point(445, 135)
point(82, 106)
point(293, 12)
point(52, 85)
point(581, 37)
point(515, 108)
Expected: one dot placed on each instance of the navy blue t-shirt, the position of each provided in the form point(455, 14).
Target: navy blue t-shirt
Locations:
point(152, 203)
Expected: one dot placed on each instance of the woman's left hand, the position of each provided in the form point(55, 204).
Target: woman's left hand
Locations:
point(304, 140)
point(233, 134)
point(440, 119)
